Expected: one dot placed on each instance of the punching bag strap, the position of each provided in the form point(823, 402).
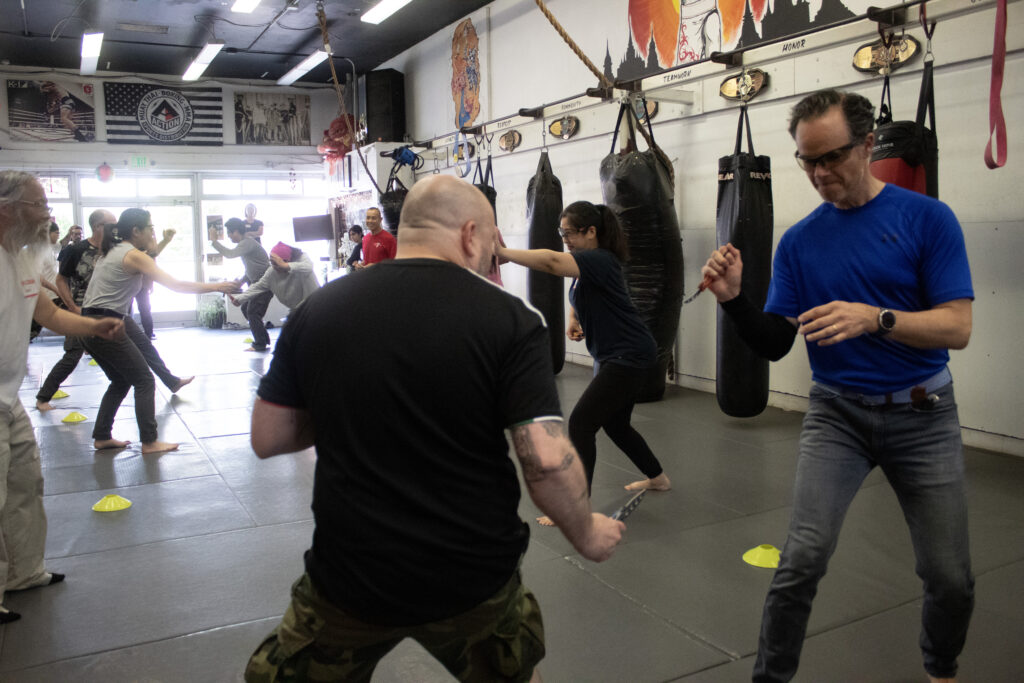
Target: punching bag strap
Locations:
point(478, 173)
point(650, 130)
point(926, 101)
point(488, 176)
point(739, 133)
point(996, 121)
point(885, 109)
point(618, 122)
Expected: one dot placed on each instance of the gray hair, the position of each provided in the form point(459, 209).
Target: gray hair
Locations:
point(857, 110)
point(13, 184)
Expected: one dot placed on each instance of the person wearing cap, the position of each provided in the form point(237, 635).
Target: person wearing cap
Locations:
point(254, 258)
point(290, 278)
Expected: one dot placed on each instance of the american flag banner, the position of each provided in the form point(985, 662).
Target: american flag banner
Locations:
point(146, 114)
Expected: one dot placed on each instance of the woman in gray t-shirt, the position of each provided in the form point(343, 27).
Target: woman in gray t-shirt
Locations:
point(116, 279)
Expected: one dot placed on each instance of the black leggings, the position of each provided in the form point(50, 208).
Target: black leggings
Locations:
point(608, 403)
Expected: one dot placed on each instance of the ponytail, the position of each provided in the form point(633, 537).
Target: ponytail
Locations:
point(610, 235)
point(129, 220)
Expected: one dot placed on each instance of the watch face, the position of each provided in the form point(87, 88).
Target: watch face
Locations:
point(887, 319)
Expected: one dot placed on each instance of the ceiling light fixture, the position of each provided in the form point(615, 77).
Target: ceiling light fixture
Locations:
point(91, 43)
point(196, 69)
point(304, 67)
point(382, 10)
point(244, 6)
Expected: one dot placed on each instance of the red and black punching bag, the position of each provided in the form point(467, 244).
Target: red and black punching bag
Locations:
point(745, 218)
point(906, 153)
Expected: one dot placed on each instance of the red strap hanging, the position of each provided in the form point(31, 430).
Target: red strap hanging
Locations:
point(996, 121)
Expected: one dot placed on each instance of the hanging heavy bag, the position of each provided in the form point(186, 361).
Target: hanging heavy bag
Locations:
point(906, 153)
point(484, 181)
point(545, 291)
point(391, 201)
point(638, 187)
point(745, 218)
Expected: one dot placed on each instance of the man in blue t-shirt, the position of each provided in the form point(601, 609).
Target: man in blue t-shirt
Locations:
point(876, 280)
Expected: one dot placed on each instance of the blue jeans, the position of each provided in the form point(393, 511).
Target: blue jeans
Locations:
point(919, 450)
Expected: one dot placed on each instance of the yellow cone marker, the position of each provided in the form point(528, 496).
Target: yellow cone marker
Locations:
point(247, 340)
point(93, 362)
point(112, 503)
point(60, 393)
point(766, 556)
point(75, 417)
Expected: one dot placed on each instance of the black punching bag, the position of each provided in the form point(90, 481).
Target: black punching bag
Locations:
point(484, 181)
point(638, 187)
point(745, 218)
point(545, 291)
point(391, 201)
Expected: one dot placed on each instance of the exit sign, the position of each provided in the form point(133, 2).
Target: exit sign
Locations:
point(139, 162)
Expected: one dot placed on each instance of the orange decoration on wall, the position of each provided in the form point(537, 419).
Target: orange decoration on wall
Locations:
point(657, 18)
point(757, 9)
point(731, 12)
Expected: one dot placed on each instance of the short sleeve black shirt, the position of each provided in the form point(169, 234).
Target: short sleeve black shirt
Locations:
point(76, 263)
point(411, 371)
point(612, 327)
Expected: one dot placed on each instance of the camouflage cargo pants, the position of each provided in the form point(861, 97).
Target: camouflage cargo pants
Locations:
point(501, 639)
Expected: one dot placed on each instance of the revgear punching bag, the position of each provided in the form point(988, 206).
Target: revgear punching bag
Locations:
point(545, 291)
point(638, 187)
point(906, 153)
point(745, 218)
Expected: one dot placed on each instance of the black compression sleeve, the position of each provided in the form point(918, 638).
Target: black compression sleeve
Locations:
point(770, 335)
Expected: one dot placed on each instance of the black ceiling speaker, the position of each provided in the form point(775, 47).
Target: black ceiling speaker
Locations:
point(385, 106)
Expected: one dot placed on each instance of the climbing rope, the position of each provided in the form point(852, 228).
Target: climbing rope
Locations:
point(349, 122)
point(605, 83)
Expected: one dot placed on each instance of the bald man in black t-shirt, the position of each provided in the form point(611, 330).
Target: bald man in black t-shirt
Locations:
point(415, 498)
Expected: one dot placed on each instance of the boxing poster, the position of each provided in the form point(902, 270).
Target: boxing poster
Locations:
point(51, 111)
point(266, 119)
point(146, 114)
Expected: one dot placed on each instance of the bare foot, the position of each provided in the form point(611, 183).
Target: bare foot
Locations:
point(182, 383)
point(659, 483)
point(545, 521)
point(43, 406)
point(255, 350)
point(100, 444)
point(158, 447)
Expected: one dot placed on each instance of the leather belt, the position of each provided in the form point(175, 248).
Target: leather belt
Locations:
point(103, 312)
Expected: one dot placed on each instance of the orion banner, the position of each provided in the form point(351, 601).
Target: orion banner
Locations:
point(146, 114)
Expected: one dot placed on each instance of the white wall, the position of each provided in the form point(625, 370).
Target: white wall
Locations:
point(524, 63)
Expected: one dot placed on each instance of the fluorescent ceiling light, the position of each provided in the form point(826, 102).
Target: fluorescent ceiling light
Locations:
point(245, 6)
point(91, 43)
point(304, 67)
point(382, 10)
point(196, 69)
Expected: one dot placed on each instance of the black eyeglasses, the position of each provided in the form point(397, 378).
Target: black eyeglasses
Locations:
point(826, 160)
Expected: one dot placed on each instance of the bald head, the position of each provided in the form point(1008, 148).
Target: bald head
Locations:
point(450, 219)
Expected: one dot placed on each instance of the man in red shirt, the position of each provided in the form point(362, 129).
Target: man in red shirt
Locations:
point(378, 244)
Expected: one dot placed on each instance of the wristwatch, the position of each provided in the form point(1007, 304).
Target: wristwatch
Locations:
point(886, 321)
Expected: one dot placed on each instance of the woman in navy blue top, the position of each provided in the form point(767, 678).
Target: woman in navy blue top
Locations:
point(602, 314)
